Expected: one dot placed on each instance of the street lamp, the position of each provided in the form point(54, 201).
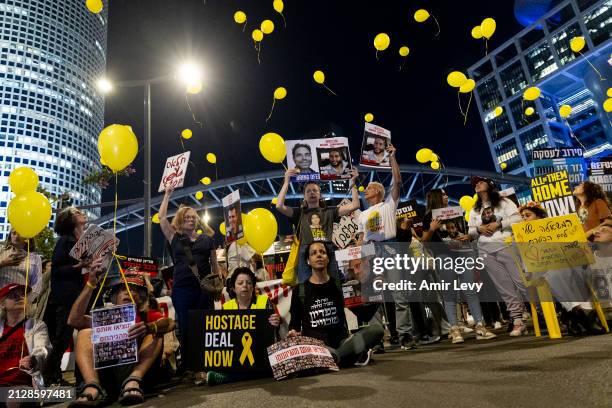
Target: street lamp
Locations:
point(189, 75)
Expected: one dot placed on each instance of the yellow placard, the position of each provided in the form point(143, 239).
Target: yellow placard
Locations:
point(552, 243)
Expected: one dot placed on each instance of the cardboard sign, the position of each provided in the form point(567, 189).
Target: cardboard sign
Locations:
point(174, 171)
point(109, 336)
point(373, 149)
point(554, 193)
point(232, 213)
point(95, 243)
point(346, 230)
point(319, 159)
point(229, 340)
point(550, 160)
point(600, 172)
point(356, 261)
point(295, 354)
point(140, 263)
point(552, 243)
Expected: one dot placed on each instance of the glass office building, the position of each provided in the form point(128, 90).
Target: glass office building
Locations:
point(540, 55)
point(52, 52)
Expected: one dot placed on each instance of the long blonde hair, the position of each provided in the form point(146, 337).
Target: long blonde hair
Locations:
point(179, 218)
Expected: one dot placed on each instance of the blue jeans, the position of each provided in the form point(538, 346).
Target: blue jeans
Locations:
point(450, 296)
point(185, 299)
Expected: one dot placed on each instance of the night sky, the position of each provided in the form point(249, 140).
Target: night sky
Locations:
point(148, 38)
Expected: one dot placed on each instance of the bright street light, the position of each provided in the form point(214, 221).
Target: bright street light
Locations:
point(206, 218)
point(190, 74)
point(104, 85)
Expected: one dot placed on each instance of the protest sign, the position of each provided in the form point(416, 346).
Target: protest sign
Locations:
point(109, 336)
point(454, 226)
point(413, 211)
point(232, 213)
point(95, 243)
point(295, 354)
point(552, 243)
point(356, 261)
point(346, 230)
point(374, 145)
point(554, 193)
point(600, 172)
point(174, 171)
point(229, 340)
point(140, 264)
point(550, 160)
point(319, 159)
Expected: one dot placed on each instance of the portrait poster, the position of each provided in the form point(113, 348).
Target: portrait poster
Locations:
point(234, 229)
point(319, 159)
point(376, 139)
point(301, 353)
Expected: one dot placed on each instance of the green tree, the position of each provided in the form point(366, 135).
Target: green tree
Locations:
point(45, 242)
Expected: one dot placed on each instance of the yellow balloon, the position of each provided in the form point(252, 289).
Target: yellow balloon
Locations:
point(434, 157)
point(257, 35)
point(186, 133)
point(240, 17)
point(529, 111)
point(435, 165)
point(95, 6)
point(361, 189)
point(278, 5)
point(503, 166)
point(155, 218)
point(267, 26)
point(275, 200)
point(565, 111)
point(607, 105)
point(487, 27)
point(118, 146)
point(199, 195)
point(477, 33)
point(280, 93)
point(421, 15)
point(194, 88)
point(23, 180)
point(29, 213)
point(272, 147)
point(211, 158)
point(199, 232)
point(456, 79)
point(319, 77)
point(467, 86)
point(532, 93)
point(467, 216)
point(577, 44)
point(222, 229)
point(609, 93)
point(205, 180)
point(368, 117)
point(404, 51)
point(466, 202)
point(475, 197)
point(498, 111)
point(424, 155)
point(382, 41)
point(261, 229)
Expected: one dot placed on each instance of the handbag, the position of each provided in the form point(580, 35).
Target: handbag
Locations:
point(211, 284)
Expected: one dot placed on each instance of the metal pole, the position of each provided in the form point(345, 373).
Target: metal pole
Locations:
point(147, 170)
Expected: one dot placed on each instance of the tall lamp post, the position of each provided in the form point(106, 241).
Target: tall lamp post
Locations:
point(191, 77)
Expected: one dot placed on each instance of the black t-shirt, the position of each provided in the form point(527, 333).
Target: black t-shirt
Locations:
point(314, 224)
point(322, 314)
point(200, 250)
point(427, 224)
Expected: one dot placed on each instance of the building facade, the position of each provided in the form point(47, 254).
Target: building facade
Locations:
point(51, 55)
point(540, 55)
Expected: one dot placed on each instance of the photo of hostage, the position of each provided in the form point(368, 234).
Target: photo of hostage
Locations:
point(302, 157)
point(234, 222)
point(488, 216)
point(376, 149)
point(124, 382)
point(336, 164)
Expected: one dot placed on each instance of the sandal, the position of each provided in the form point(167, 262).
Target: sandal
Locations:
point(127, 396)
point(91, 401)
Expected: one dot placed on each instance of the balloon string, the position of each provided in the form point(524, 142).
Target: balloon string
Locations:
point(127, 287)
point(244, 26)
point(193, 116)
point(601, 78)
point(285, 167)
point(437, 24)
point(258, 49)
point(467, 110)
point(284, 21)
point(335, 94)
point(573, 135)
point(403, 63)
point(486, 46)
point(459, 101)
point(376, 55)
point(271, 110)
point(216, 174)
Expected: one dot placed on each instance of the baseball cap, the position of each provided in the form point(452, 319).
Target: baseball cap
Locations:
point(6, 289)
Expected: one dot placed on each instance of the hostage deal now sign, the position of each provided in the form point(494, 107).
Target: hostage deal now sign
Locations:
point(229, 340)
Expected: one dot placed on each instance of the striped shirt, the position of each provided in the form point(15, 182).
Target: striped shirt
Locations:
point(17, 273)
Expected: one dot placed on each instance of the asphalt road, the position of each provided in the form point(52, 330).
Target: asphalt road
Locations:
point(505, 372)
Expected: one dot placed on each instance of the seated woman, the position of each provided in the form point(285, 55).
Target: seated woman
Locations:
point(322, 293)
point(241, 287)
point(125, 382)
point(24, 341)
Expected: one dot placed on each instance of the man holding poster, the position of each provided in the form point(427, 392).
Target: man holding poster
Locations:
point(374, 150)
point(333, 159)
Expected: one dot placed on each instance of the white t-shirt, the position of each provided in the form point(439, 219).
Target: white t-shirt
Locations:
point(238, 255)
point(378, 222)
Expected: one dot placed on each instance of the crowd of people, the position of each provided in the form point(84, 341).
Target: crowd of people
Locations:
point(43, 302)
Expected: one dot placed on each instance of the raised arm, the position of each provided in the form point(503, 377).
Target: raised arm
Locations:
point(280, 204)
point(166, 228)
point(78, 317)
point(395, 171)
point(354, 204)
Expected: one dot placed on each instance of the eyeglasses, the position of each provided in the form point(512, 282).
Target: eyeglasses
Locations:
point(190, 217)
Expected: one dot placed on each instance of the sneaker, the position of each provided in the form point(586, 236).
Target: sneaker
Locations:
point(497, 325)
point(364, 358)
point(465, 329)
point(518, 329)
point(215, 378)
point(482, 333)
point(455, 335)
point(426, 339)
point(408, 343)
point(394, 340)
point(379, 349)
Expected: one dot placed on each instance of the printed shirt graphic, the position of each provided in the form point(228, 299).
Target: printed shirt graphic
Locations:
point(318, 233)
point(378, 222)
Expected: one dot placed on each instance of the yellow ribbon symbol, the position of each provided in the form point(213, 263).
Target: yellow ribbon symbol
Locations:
point(247, 341)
